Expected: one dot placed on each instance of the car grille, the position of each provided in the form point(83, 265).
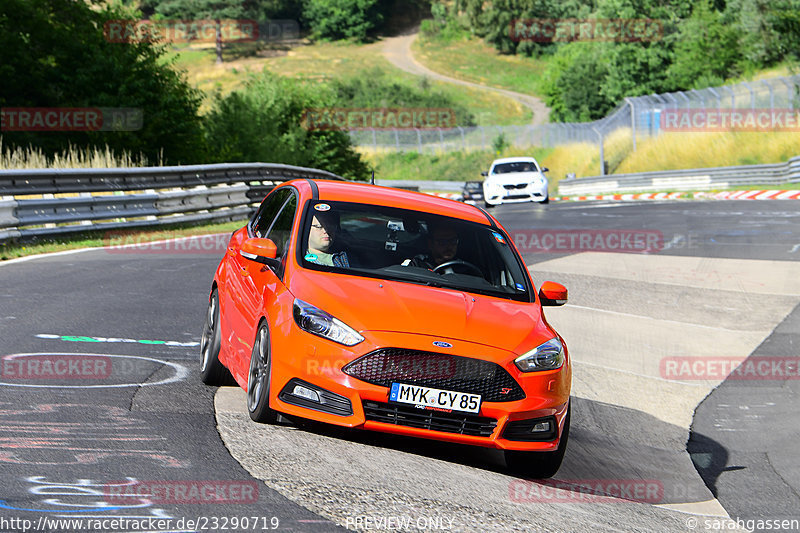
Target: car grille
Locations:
point(399, 415)
point(512, 186)
point(439, 371)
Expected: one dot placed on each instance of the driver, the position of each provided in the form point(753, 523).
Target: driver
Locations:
point(321, 237)
point(442, 244)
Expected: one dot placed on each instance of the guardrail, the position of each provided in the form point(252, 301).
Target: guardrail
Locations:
point(103, 199)
point(685, 180)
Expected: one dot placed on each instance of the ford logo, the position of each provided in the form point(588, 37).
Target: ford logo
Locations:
point(442, 344)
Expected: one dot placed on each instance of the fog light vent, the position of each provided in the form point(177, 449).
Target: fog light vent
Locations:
point(304, 394)
point(532, 430)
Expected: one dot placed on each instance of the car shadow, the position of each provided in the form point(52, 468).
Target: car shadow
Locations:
point(608, 446)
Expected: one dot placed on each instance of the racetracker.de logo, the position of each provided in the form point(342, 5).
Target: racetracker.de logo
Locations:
point(680, 368)
point(711, 120)
point(71, 119)
point(586, 491)
point(385, 118)
point(180, 31)
point(554, 30)
point(588, 240)
point(164, 492)
point(126, 242)
point(49, 366)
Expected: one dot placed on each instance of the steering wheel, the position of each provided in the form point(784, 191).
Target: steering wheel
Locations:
point(455, 262)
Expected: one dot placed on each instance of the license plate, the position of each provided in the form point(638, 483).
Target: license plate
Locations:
point(428, 398)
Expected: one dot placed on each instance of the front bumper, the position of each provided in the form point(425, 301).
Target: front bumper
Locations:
point(320, 364)
point(532, 192)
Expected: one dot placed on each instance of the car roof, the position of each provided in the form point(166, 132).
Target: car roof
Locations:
point(514, 160)
point(349, 191)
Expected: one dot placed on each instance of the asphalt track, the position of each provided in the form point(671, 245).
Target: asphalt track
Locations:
point(724, 282)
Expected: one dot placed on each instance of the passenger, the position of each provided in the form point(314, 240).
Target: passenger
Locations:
point(322, 241)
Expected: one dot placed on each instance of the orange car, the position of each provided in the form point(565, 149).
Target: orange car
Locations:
point(394, 311)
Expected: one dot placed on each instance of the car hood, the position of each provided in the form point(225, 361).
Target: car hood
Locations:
point(515, 177)
point(370, 304)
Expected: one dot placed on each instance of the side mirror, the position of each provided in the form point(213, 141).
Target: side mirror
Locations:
point(484, 173)
point(552, 294)
point(260, 250)
point(545, 169)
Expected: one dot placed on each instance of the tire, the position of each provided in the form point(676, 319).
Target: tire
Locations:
point(546, 200)
point(258, 379)
point(212, 372)
point(539, 465)
point(487, 205)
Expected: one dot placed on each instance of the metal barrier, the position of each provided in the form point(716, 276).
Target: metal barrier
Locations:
point(692, 179)
point(138, 196)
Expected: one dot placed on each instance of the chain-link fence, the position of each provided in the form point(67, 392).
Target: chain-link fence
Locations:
point(645, 116)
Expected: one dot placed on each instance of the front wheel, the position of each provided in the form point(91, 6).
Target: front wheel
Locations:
point(212, 372)
point(258, 379)
point(539, 465)
point(546, 200)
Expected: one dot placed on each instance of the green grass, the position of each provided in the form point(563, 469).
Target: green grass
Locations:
point(327, 60)
point(471, 59)
point(450, 166)
point(93, 239)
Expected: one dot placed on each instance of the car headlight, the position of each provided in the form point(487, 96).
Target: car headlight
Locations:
point(318, 322)
point(547, 356)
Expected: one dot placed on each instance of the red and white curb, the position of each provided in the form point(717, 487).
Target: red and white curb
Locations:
point(699, 195)
point(627, 197)
point(727, 195)
point(751, 195)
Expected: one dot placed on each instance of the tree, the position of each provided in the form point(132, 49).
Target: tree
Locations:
point(768, 30)
point(216, 10)
point(264, 122)
point(573, 84)
point(342, 19)
point(53, 53)
point(706, 50)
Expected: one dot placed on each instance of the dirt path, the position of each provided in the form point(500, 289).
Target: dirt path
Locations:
point(398, 51)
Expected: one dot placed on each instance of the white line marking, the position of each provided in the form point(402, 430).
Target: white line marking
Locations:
point(180, 372)
point(696, 383)
point(659, 319)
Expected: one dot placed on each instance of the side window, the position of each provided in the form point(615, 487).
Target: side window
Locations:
point(267, 212)
point(281, 230)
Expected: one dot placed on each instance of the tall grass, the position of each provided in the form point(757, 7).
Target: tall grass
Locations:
point(677, 150)
point(669, 151)
point(74, 157)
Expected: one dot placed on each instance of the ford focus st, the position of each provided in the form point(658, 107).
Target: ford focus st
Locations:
point(393, 311)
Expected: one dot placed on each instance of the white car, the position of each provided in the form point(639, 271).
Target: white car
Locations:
point(515, 179)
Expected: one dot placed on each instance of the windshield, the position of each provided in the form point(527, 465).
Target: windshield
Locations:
point(505, 168)
point(410, 246)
